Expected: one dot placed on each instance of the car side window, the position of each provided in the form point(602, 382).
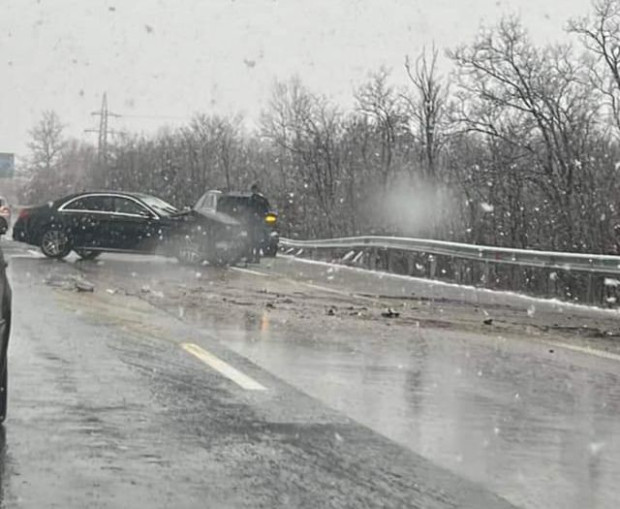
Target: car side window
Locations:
point(88, 203)
point(210, 203)
point(218, 202)
point(127, 206)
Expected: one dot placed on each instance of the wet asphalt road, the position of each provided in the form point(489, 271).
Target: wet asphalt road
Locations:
point(108, 409)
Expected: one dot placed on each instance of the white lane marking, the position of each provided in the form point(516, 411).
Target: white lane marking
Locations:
point(249, 271)
point(326, 289)
point(340, 292)
point(585, 350)
point(223, 368)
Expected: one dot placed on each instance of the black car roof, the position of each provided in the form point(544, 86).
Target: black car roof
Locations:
point(96, 193)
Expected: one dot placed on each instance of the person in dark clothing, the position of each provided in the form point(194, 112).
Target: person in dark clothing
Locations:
point(254, 224)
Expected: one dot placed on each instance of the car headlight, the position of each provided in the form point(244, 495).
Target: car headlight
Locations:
point(271, 218)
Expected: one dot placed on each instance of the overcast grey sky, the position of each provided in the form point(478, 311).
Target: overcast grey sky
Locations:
point(176, 57)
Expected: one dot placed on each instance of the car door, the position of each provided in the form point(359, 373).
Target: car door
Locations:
point(83, 216)
point(129, 225)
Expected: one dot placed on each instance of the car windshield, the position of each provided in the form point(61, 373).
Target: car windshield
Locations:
point(240, 205)
point(158, 205)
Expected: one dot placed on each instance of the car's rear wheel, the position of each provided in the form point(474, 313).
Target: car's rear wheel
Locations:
point(271, 251)
point(86, 254)
point(55, 243)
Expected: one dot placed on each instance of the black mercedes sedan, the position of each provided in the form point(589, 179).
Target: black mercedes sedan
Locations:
point(95, 222)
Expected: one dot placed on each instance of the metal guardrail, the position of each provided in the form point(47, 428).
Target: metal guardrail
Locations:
point(592, 263)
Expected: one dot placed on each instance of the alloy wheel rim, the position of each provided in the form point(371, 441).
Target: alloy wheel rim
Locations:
point(55, 242)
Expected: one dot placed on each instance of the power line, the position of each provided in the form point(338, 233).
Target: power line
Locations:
point(102, 133)
point(154, 117)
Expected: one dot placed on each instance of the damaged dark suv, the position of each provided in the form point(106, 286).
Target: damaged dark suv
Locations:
point(253, 210)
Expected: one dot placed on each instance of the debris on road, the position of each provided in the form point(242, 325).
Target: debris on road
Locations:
point(488, 321)
point(390, 313)
point(55, 281)
point(270, 305)
point(71, 283)
point(331, 312)
point(81, 285)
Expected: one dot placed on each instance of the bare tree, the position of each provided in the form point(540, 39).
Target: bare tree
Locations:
point(309, 129)
point(380, 103)
point(427, 106)
point(535, 100)
point(46, 143)
point(600, 34)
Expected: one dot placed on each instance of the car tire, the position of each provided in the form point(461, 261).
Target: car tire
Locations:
point(86, 254)
point(270, 251)
point(55, 243)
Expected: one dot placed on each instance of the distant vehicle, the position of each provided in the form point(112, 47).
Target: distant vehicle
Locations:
point(95, 222)
point(5, 332)
point(5, 215)
point(253, 210)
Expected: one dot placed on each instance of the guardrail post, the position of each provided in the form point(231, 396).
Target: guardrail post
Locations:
point(589, 284)
point(390, 260)
point(433, 266)
point(486, 273)
point(457, 267)
point(410, 264)
point(372, 259)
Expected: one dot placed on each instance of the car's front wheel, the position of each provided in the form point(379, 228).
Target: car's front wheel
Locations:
point(55, 243)
point(86, 254)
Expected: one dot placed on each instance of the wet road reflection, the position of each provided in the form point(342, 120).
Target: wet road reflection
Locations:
point(538, 427)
